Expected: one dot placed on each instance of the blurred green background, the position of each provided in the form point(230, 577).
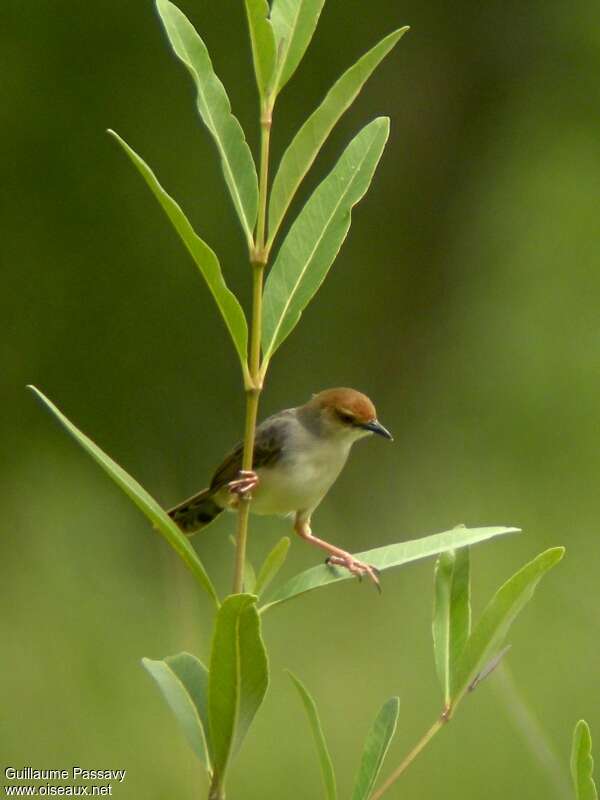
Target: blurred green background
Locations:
point(464, 302)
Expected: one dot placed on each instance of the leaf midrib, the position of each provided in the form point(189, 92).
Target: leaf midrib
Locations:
point(283, 59)
point(314, 118)
point(224, 155)
point(196, 713)
point(292, 294)
point(448, 637)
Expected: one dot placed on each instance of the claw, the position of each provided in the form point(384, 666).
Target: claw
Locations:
point(242, 486)
point(355, 567)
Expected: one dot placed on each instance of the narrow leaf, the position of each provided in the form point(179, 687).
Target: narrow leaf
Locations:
point(249, 578)
point(238, 677)
point(383, 558)
point(263, 43)
point(376, 747)
point(254, 670)
point(145, 502)
point(272, 564)
point(501, 611)
point(306, 144)
point(215, 110)
point(205, 259)
point(582, 763)
point(317, 235)
point(452, 613)
point(294, 22)
point(327, 772)
point(183, 681)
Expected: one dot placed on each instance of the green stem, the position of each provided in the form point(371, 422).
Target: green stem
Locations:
point(265, 138)
point(216, 791)
point(254, 383)
point(421, 745)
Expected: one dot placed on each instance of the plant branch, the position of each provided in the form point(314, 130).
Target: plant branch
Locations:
point(421, 744)
point(215, 791)
point(266, 115)
point(254, 379)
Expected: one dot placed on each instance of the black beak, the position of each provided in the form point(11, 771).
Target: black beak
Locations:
point(376, 427)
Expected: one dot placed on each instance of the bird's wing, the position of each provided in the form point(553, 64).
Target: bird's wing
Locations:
point(268, 447)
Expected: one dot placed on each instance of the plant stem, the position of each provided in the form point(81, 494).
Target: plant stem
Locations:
point(258, 259)
point(252, 397)
point(216, 791)
point(421, 744)
point(265, 138)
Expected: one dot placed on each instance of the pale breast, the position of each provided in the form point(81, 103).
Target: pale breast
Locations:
point(302, 476)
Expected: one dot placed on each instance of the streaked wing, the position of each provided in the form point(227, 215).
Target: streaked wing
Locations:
point(229, 469)
point(267, 449)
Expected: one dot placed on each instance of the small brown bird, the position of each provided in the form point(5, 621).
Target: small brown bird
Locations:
point(298, 455)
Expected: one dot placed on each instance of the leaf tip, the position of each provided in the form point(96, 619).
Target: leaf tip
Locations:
point(582, 729)
point(39, 395)
point(114, 135)
point(395, 702)
point(556, 554)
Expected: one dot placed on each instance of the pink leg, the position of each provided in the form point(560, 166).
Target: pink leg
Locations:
point(337, 556)
point(244, 484)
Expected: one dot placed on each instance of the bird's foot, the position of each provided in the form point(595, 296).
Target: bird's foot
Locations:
point(356, 567)
point(246, 481)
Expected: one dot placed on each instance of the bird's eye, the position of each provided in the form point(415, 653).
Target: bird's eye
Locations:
point(347, 419)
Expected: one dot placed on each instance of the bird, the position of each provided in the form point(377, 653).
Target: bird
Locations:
point(298, 455)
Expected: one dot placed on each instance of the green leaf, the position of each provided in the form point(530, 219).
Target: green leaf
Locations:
point(294, 22)
point(452, 614)
point(305, 145)
point(215, 109)
point(145, 502)
point(376, 747)
point(327, 772)
point(205, 259)
point(383, 558)
point(238, 677)
point(582, 763)
point(488, 636)
point(263, 43)
point(249, 578)
point(272, 564)
point(317, 235)
point(183, 680)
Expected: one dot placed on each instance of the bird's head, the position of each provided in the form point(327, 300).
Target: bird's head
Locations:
point(346, 414)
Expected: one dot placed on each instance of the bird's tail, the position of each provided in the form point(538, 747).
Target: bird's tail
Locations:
point(196, 512)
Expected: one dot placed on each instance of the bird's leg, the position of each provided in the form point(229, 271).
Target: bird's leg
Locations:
point(337, 556)
point(246, 481)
